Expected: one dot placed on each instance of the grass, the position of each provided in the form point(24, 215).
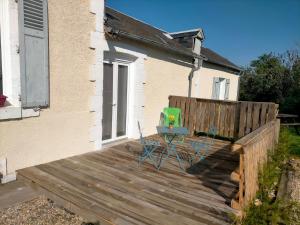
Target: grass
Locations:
point(266, 209)
point(294, 140)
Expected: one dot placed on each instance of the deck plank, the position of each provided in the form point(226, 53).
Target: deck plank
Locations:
point(110, 185)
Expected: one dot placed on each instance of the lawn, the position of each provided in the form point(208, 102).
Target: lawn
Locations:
point(294, 140)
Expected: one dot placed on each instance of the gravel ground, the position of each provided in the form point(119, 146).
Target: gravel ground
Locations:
point(38, 211)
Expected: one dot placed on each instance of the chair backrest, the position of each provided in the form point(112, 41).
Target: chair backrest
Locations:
point(172, 115)
point(140, 130)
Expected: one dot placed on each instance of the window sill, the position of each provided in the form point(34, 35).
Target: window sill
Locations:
point(13, 112)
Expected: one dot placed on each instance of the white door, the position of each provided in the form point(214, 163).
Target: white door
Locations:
point(115, 101)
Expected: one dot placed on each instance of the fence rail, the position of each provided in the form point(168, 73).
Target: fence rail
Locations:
point(233, 119)
point(253, 126)
point(253, 150)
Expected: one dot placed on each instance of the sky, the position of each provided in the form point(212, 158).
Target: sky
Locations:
point(240, 30)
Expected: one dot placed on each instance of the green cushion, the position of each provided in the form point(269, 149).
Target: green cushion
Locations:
point(172, 116)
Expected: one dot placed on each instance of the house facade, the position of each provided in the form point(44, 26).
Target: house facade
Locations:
point(49, 71)
point(168, 64)
point(75, 83)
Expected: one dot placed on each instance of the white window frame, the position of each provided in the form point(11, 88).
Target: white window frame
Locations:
point(222, 82)
point(9, 28)
point(116, 63)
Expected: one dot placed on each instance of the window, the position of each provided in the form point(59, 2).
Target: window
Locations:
point(12, 42)
point(220, 89)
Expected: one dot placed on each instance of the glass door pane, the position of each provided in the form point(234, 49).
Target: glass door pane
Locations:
point(107, 101)
point(122, 100)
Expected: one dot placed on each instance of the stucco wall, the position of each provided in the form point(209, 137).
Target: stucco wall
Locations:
point(167, 74)
point(61, 130)
point(164, 77)
point(203, 81)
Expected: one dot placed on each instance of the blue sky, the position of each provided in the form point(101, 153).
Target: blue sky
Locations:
point(240, 30)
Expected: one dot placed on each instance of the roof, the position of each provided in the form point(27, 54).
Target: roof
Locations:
point(127, 26)
point(130, 27)
point(185, 38)
point(215, 58)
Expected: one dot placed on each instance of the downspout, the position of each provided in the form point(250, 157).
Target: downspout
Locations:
point(197, 66)
point(197, 61)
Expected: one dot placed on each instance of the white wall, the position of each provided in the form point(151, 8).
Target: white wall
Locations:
point(65, 128)
point(203, 81)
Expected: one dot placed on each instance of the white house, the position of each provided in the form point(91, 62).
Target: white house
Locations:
point(77, 78)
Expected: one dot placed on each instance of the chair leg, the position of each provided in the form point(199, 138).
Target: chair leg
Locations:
point(173, 150)
point(148, 153)
point(162, 159)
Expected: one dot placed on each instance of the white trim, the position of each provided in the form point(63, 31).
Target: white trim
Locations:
point(9, 178)
point(6, 177)
point(13, 112)
point(136, 84)
point(26, 113)
point(9, 29)
point(10, 112)
point(116, 64)
point(168, 35)
point(97, 41)
point(97, 8)
point(186, 31)
point(114, 140)
point(222, 84)
point(113, 46)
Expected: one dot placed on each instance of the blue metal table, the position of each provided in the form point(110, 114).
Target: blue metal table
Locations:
point(171, 136)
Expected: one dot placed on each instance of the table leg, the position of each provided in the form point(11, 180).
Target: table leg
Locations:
point(174, 151)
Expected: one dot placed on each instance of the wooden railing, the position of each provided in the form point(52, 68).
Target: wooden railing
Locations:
point(253, 126)
point(233, 119)
point(254, 150)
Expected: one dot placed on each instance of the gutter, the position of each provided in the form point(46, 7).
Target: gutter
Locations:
point(121, 33)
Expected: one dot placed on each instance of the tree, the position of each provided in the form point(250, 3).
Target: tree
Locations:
point(273, 78)
point(265, 80)
point(291, 103)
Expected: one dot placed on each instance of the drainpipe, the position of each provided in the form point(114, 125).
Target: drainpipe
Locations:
point(241, 73)
point(197, 65)
point(197, 61)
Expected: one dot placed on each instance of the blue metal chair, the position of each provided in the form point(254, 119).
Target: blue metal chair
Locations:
point(149, 146)
point(201, 148)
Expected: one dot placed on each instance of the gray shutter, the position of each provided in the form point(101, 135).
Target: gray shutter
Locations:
point(216, 88)
point(227, 89)
point(34, 53)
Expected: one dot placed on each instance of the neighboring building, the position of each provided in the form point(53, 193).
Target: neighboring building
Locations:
point(71, 89)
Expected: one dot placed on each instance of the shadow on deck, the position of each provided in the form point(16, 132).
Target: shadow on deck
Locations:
point(110, 187)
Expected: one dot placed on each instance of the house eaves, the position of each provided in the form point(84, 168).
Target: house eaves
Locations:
point(131, 36)
point(120, 24)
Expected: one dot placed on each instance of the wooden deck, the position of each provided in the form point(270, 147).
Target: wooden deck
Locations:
point(110, 187)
